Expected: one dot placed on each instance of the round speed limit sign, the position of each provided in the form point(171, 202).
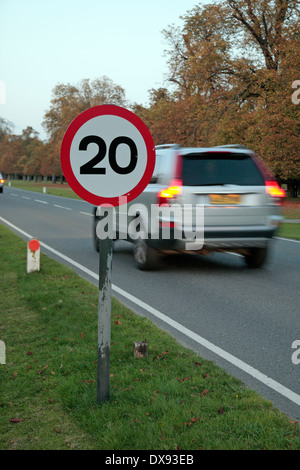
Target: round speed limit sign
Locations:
point(107, 155)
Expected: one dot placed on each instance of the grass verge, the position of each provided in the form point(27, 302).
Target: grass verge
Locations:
point(55, 189)
point(173, 399)
point(287, 230)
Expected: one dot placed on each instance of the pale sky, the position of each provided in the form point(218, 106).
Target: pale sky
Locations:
point(46, 42)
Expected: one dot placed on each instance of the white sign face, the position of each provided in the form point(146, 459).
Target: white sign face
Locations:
point(107, 153)
point(117, 162)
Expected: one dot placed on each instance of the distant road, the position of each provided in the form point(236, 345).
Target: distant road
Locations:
point(244, 320)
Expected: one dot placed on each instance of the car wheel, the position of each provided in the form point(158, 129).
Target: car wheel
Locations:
point(145, 256)
point(1, 190)
point(256, 257)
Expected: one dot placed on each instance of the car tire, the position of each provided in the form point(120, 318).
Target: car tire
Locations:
point(1, 190)
point(145, 256)
point(256, 257)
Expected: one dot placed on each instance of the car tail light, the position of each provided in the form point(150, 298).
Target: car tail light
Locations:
point(274, 190)
point(175, 188)
point(165, 195)
point(1, 181)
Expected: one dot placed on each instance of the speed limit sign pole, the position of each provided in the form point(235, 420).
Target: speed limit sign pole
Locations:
point(104, 319)
point(107, 157)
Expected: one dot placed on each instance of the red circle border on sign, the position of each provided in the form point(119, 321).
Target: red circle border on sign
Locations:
point(106, 109)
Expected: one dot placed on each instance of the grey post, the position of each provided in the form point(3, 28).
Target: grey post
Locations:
point(104, 319)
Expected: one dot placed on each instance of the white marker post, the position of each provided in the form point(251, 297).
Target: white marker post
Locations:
point(33, 256)
point(107, 157)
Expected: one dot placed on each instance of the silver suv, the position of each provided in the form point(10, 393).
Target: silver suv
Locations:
point(237, 197)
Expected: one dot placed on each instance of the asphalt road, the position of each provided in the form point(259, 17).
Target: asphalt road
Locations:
point(244, 320)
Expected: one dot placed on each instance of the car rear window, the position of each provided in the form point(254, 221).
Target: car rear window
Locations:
point(214, 168)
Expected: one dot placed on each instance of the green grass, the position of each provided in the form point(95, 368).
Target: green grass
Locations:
point(287, 230)
point(51, 188)
point(173, 399)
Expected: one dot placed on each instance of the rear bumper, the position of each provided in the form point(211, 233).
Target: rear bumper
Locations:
point(238, 233)
point(218, 239)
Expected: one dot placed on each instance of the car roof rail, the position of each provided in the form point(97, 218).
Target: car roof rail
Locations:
point(237, 146)
point(167, 146)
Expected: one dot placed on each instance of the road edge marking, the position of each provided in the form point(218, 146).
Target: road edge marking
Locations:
point(287, 239)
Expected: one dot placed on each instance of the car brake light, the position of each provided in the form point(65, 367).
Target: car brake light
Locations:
point(273, 188)
point(170, 192)
point(275, 191)
point(1, 181)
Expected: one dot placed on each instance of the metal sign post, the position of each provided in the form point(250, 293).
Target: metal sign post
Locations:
point(104, 319)
point(108, 158)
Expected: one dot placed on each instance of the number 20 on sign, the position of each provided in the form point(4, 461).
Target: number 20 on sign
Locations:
point(107, 156)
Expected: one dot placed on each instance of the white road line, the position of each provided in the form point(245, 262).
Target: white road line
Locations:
point(273, 384)
point(42, 202)
point(13, 194)
point(62, 207)
point(87, 213)
point(287, 239)
point(24, 197)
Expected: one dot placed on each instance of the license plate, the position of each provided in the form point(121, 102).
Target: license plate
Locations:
point(225, 198)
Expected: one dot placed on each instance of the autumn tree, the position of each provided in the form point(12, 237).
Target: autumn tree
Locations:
point(265, 25)
point(11, 153)
point(33, 152)
point(203, 70)
point(67, 103)
point(162, 117)
point(5, 153)
point(6, 128)
point(272, 127)
point(233, 64)
point(20, 155)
